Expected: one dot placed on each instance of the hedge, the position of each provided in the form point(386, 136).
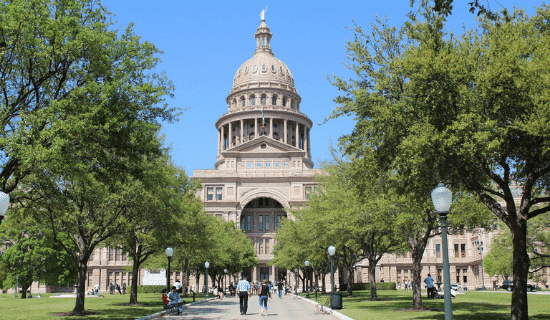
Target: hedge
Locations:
point(366, 286)
point(148, 289)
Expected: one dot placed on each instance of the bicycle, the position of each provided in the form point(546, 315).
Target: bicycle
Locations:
point(323, 308)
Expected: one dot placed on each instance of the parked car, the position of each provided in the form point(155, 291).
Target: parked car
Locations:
point(457, 287)
point(509, 285)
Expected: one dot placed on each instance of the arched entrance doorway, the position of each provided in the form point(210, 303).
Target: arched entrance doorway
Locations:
point(260, 218)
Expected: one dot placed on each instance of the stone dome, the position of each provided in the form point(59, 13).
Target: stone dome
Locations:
point(263, 68)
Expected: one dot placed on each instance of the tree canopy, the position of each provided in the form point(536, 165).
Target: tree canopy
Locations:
point(81, 105)
point(471, 110)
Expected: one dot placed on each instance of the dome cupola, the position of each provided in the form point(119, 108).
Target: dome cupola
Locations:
point(263, 69)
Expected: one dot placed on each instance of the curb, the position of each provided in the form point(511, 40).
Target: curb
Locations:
point(164, 312)
point(334, 312)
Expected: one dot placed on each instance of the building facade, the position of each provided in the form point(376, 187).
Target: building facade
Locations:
point(263, 161)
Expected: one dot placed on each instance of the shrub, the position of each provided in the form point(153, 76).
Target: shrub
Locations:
point(148, 289)
point(366, 286)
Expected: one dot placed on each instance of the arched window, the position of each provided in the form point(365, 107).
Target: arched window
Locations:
point(274, 100)
point(263, 99)
point(253, 100)
point(242, 101)
point(284, 101)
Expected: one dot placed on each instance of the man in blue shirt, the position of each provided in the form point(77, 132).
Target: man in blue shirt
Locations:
point(430, 284)
point(174, 299)
point(242, 288)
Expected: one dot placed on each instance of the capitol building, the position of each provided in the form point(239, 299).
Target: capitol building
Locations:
point(263, 166)
point(263, 161)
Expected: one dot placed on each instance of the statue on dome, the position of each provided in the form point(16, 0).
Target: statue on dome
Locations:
point(262, 15)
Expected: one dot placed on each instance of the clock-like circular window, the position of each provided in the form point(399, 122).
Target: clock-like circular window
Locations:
point(263, 146)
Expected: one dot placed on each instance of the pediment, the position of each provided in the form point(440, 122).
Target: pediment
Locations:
point(263, 144)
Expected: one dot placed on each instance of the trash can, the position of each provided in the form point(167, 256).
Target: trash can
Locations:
point(336, 301)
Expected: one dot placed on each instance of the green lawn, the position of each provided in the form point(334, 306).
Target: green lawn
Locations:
point(111, 307)
point(476, 305)
point(393, 304)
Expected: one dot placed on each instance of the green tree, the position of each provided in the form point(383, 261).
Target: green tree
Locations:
point(293, 247)
point(344, 211)
point(499, 258)
point(33, 255)
point(469, 110)
point(69, 81)
point(82, 106)
point(167, 198)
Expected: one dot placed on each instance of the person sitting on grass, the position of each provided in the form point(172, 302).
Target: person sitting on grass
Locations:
point(172, 299)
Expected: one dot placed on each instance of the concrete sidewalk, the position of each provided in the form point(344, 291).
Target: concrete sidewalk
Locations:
point(288, 307)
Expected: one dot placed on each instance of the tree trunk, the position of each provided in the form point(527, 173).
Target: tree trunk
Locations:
point(350, 281)
point(134, 285)
point(198, 282)
point(521, 271)
point(81, 283)
point(24, 289)
point(417, 282)
point(372, 278)
point(323, 283)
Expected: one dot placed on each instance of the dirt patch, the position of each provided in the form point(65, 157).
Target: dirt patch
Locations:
point(75, 314)
point(129, 304)
point(419, 309)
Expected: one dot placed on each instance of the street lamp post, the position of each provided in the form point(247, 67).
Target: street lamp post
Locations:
point(331, 252)
point(307, 278)
point(169, 252)
point(296, 281)
point(441, 198)
point(206, 265)
point(480, 250)
point(224, 276)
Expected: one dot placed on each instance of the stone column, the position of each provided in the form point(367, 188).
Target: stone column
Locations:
point(306, 144)
point(274, 274)
point(271, 128)
point(285, 140)
point(242, 131)
point(219, 142)
point(229, 138)
point(297, 135)
point(223, 138)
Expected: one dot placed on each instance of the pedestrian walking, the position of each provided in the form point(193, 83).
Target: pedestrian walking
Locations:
point(280, 287)
point(242, 287)
point(430, 285)
point(124, 288)
point(265, 294)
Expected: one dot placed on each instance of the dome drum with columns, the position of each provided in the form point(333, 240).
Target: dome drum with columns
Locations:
point(263, 163)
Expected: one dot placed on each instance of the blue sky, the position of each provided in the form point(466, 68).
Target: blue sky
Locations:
point(205, 42)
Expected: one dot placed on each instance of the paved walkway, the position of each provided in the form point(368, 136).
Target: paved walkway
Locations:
point(286, 308)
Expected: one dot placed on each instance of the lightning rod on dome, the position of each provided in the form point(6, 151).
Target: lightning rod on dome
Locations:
point(262, 15)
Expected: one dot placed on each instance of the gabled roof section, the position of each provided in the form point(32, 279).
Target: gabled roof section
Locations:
point(263, 144)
